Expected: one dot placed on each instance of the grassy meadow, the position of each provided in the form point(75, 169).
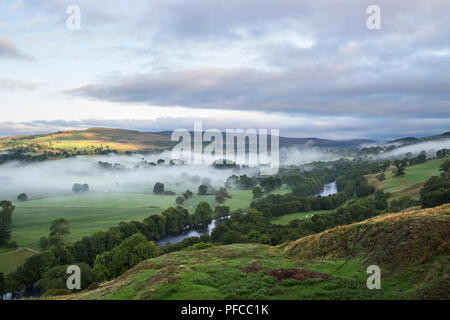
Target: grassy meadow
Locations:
point(411, 182)
point(91, 212)
point(11, 259)
point(285, 219)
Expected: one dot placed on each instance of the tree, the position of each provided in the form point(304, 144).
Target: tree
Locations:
point(269, 184)
point(436, 191)
point(2, 284)
point(203, 190)
point(381, 200)
point(222, 211)
point(203, 213)
point(220, 198)
point(445, 168)
point(60, 227)
point(158, 188)
point(257, 192)
point(22, 197)
point(43, 243)
point(399, 165)
point(188, 194)
point(179, 200)
point(56, 277)
point(5, 221)
point(123, 257)
point(442, 153)
point(386, 164)
point(80, 187)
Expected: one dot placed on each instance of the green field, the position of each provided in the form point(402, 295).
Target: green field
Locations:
point(413, 175)
point(298, 215)
point(91, 212)
point(11, 259)
point(411, 182)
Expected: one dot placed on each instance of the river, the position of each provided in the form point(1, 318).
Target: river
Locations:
point(329, 189)
point(191, 233)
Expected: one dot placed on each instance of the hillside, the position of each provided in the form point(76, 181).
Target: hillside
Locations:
point(411, 182)
point(412, 140)
point(412, 250)
point(105, 140)
point(94, 140)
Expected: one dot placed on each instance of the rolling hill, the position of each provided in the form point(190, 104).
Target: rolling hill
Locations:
point(412, 249)
point(98, 140)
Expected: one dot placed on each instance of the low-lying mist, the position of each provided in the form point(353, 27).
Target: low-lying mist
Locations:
point(132, 173)
point(430, 147)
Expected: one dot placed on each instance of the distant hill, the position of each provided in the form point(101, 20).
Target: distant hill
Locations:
point(104, 140)
point(411, 248)
point(412, 140)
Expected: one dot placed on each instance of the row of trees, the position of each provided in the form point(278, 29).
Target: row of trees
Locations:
point(350, 183)
point(436, 190)
point(105, 255)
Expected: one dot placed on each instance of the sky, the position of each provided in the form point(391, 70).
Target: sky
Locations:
point(308, 68)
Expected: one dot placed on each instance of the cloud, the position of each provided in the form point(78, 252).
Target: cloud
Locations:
point(9, 50)
point(312, 66)
point(10, 84)
point(313, 88)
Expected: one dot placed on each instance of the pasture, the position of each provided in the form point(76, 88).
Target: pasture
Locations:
point(91, 212)
point(411, 182)
point(11, 259)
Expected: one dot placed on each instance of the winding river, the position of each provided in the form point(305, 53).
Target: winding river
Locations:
point(328, 189)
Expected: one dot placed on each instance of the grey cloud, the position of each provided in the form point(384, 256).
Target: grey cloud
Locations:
point(312, 87)
point(9, 50)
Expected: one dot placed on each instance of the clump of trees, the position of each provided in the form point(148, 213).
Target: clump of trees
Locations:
point(188, 194)
point(242, 182)
point(257, 192)
point(77, 187)
point(202, 215)
point(129, 253)
point(22, 197)
point(158, 188)
point(221, 211)
point(442, 153)
point(6, 211)
point(179, 200)
point(436, 190)
point(203, 190)
point(222, 195)
point(185, 196)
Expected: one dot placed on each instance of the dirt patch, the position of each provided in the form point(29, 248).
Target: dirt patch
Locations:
point(229, 255)
point(253, 267)
point(297, 274)
point(167, 274)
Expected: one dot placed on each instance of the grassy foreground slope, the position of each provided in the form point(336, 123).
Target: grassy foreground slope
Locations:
point(412, 250)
